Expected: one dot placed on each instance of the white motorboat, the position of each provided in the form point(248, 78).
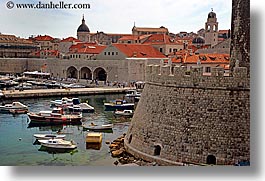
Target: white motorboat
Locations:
point(64, 102)
point(15, 106)
point(58, 144)
point(95, 127)
point(133, 93)
point(127, 113)
point(82, 107)
point(48, 136)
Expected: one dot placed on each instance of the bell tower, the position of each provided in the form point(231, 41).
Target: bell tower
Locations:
point(211, 29)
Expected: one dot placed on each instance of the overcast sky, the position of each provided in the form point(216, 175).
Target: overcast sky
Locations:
point(113, 16)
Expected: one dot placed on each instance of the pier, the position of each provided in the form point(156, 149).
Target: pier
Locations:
point(10, 94)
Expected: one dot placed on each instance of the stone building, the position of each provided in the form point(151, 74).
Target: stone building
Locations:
point(66, 43)
point(15, 47)
point(147, 31)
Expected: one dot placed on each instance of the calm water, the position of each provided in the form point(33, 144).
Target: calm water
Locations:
point(17, 142)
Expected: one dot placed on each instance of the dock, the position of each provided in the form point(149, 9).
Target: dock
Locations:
point(12, 94)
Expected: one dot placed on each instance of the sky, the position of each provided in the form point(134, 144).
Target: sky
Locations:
point(112, 16)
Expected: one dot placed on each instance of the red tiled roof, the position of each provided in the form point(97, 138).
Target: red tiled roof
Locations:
point(80, 45)
point(70, 39)
point(86, 48)
point(139, 51)
point(160, 39)
point(223, 31)
point(208, 58)
point(44, 38)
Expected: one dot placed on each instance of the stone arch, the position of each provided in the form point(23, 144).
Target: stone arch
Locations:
point(100, 74)
point(211, 160)
point(72, 72)
point(157, 150)
point(86, 73)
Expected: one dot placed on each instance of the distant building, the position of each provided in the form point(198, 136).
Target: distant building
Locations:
point(15, 47)
point(106, 38)
point(85, 51)
point(66, 43)
point(118, 51)
point(46, 42)
point(83, 32)
point(147, 31)
point(211, 29)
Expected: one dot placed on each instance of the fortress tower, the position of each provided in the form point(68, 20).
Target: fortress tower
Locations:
point(187, 117)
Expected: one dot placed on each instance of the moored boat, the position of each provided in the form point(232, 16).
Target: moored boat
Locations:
point(48, 136)
point(118, 104)
point(82, 107)
point(126, 113)
point(56, 116)
point(16, 106)
point(95, 127)
point(58, 144)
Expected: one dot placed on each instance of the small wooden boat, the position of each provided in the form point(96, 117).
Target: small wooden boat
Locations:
point(125, 113)
point(48, 136)
point(118, 105)
point(95, 127)
point(16, 106)
point(55, 116)
point(133, 93)
point(58, 144)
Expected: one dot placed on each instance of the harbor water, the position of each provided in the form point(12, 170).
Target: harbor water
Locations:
point(18, 146)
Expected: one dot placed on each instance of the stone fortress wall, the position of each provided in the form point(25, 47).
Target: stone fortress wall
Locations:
point(187, 117)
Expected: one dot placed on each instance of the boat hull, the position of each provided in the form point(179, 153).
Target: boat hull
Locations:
point(118, 107)
point(64, 119)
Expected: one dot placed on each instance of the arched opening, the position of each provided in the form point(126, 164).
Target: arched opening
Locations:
point(211, 160)
point(72, 72)
point(157, 150)
point(130, 139)
point(86, 73)
point(100, 74)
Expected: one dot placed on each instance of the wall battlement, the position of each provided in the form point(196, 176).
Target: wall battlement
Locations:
point(188, 117)
point(179, 76)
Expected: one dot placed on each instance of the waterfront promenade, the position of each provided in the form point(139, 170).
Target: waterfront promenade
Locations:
point(9, 94)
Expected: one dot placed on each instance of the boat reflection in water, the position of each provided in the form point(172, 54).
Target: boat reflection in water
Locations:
point(56, 150)
point(94, 146)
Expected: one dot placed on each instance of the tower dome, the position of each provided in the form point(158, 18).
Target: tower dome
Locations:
point(83, 27)
point(212, 14)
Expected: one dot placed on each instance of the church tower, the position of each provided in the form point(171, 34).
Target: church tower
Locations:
point(211, 29)
point(83, 33)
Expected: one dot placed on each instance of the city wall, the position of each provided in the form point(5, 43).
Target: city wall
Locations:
point(187, 117)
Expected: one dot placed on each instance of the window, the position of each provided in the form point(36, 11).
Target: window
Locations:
point(108, 53)
point(161, 50)
point(157, 150)
point(208, 69)
point(116, 53)
point(112, 53)
point(105, 53)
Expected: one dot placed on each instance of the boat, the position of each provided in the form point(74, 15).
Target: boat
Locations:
point(56, 116)
point(48, 136)
point(94, 127)
point(82, 107)
point(18, 111)
point(126, 113)
point(133, 93)
point(16, 106)
point(58, 144)
point(64, 102)
point(118, 104)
